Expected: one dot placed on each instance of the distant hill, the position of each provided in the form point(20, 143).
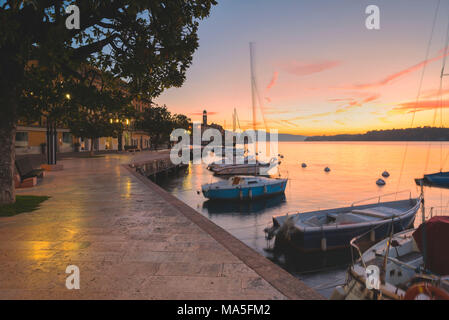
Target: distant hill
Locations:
point(285, 137)
point(411, 134)
point(290, 137)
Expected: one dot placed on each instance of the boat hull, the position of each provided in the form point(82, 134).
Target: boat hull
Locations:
point(246, 192)
point(339, 237)
point(440, 179)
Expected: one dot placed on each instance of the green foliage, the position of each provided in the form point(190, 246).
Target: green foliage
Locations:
point(149, 43)
point(159, 123)
point(99, 106)
point(23, 204)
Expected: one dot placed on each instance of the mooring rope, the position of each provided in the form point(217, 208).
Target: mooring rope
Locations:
point(419, 88)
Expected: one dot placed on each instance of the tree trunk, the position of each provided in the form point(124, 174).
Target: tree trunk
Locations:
point(7, 162)
point(91, 147)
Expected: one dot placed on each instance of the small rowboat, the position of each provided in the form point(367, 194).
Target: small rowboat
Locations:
point(244, 188)
point(334, 228)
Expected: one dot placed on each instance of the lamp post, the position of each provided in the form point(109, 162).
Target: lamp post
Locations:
point(52, 138)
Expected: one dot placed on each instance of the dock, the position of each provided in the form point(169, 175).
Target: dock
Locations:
point(130, 239)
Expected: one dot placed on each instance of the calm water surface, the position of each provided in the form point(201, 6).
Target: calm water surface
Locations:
point(355, 167)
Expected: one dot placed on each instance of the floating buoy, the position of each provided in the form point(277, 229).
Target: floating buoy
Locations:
point(385, 174)
point(304, 165)
point(198, 192)
point(327, 169)
point(381, 182)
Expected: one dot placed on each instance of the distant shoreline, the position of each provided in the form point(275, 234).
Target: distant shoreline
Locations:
point(413, 134)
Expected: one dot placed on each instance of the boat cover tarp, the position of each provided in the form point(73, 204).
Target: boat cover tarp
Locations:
point(437, 244)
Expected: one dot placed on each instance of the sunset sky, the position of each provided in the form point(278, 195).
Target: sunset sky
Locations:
point(319, 69)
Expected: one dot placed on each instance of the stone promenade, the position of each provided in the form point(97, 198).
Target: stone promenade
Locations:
point(130, 240)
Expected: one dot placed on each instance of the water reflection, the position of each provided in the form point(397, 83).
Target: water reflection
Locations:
point(355, 168)
point(233, 208)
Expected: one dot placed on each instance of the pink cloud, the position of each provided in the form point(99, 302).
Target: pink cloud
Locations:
point(304, 69)
point(209, 113)
point(273, 80)
point(408, 107)
point(353, 103)
point(390, 78)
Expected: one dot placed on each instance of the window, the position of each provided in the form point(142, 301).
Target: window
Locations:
point(67, 137)
point(21, 139)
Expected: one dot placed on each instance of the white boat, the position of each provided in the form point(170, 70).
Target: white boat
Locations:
point(226, 162)
point(244, 188)
point(400, 270)
point(254, 167)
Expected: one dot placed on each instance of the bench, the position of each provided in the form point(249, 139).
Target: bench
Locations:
point(26, 170)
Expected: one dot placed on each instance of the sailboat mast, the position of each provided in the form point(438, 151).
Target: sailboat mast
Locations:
point(253, 89)
point(234, 120)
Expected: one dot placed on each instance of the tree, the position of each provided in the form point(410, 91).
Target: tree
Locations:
point(157, 122)
point(181, 121)
point(149, 43)
point(99, 106)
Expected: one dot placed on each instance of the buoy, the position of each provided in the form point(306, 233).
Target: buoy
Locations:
point(385, 174)
point(380, 182)
point(198, 192)
point(304, 165)
point(327, 169)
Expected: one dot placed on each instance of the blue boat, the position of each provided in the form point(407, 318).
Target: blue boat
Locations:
point(440, 179)
point(335, 228)
point(244, 188)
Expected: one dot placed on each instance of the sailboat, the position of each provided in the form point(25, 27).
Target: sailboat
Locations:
point(251, 164)
point(439, 179)
point(411, 264)
point(402, 267)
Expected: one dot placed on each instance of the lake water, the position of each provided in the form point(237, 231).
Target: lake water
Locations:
point(355, 167)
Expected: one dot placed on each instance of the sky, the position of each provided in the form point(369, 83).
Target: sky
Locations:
point(319, 70)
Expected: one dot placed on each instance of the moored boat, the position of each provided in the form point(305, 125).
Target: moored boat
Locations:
point(334, 228)
point(244, 188)
point(440, 179)
point(401, 271)
point(251, 168)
